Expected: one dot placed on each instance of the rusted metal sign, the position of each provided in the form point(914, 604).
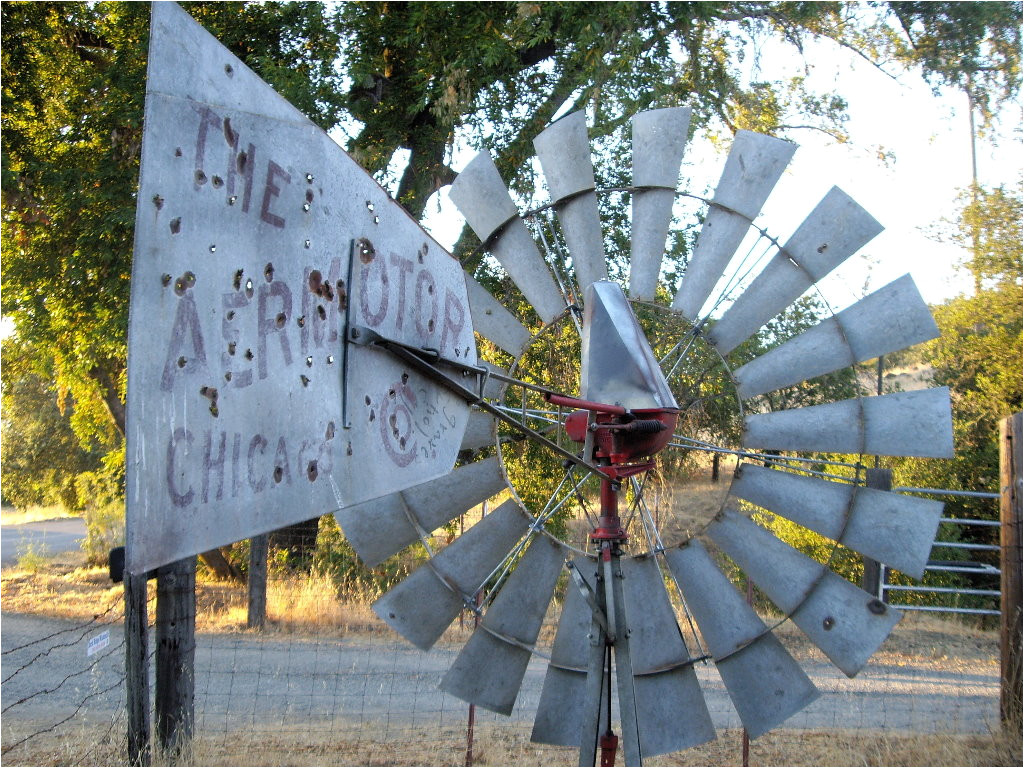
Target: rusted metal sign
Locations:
point(257, 241)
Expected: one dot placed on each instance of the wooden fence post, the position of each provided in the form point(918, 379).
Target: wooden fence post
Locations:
point(1010, 434)
point(257, 581)
point(174, 703)
point(881, 480)
point(136, 668)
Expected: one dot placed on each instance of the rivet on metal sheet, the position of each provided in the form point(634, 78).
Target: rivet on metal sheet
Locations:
point(828, 622)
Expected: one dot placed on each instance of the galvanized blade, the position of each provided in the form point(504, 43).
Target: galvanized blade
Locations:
point(891, 318)
point(563, 149)
point(844, 621)
point(559, 713)
point(618, 367)
point(492, 321)
point(481, 196)
point(836, 229)
point(894, 529)
point(755, 164)
point(380, 528)
point(670, 709)
point(489, 670)
point(902, 424)
point(479, 431)
point(765, 683)
point(421, 607)
point(659, 140)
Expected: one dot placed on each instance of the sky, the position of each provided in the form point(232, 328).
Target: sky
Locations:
point(927, 141)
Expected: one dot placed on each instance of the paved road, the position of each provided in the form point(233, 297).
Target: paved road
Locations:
point(244, 681)
point(59, 535)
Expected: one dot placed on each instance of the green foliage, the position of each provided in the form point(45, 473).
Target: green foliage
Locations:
point(32, 556)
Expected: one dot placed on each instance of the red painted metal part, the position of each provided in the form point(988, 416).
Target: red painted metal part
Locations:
point(609, 745)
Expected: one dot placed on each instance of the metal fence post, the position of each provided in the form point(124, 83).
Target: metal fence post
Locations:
point(1010, 705)
point(881, 480)
point(175, 655)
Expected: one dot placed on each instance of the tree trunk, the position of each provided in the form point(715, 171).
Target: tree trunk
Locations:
point(216, 560)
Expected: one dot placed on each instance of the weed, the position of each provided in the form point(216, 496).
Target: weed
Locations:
point(32, 556)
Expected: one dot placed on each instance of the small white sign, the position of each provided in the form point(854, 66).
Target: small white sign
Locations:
point(98, 643)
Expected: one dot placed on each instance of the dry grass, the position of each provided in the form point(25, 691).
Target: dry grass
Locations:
point(373, 745)
point(12, 516)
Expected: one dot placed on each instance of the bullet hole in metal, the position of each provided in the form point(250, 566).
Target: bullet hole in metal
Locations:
point(430, 288)
point(200, 177)
point(330, 431)
point(430, 325)
point(189, 278)
point(158, 202)
point(165, 279)
point(367, 400)
point(218, 182)
point(249, 355)
point(365, 250)
point(237, 282)
point(306, 243)
point(305, 380)
point(342, 295)
point(309, 361)
point(301, 321)
point(828, 622)
point(305, 207)
point(241, 162)
point(315, 281)
point(373, 414)
point(376, 219)
point(182, 362)
point(227, 376)
point(823, 247)
point(877, 607)
point(268, 272)
point(278, 474)
point(419, 257)
point(466, 353)
point(401, 443)
point(214, 410)
point(208, 392)
point(177, 151)
point(176, 225)
point(405, 378)
point(309, 178)
point(280, 320)
point(232, 200)
point(232, 347)
point(321, 312)
point(213, 248)
point(311, 471)
point(393, 421)
point(230, 135)
point(229, 70)
point(179, 287)
point(248, 288)
point(391, 393)
point(330, 359)
point(309, 195)
point(231, 314)
point(369, 205)
point(348, 451)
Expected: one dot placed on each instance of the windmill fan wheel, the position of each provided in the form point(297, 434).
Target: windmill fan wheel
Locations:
point(717, 350)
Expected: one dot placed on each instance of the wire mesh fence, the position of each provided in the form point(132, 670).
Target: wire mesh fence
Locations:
point(327, 683)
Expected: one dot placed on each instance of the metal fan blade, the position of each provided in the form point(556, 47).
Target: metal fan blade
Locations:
point(618, 364)
point(755, 164)
point(481, 196)
point(489, 670)
point(479, 431)
point(670, 709)
point(765, 683)
point(901, 424)
point(659, 140)
point(421, 607)
point(844, 621)
point(560, 711)
point(894, 317)
point(836, 229)
point(492, 321)
point(379, 528)
point(894, 529)
point(563, 149)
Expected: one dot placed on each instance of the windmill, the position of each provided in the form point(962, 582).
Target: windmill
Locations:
point(299, 346)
